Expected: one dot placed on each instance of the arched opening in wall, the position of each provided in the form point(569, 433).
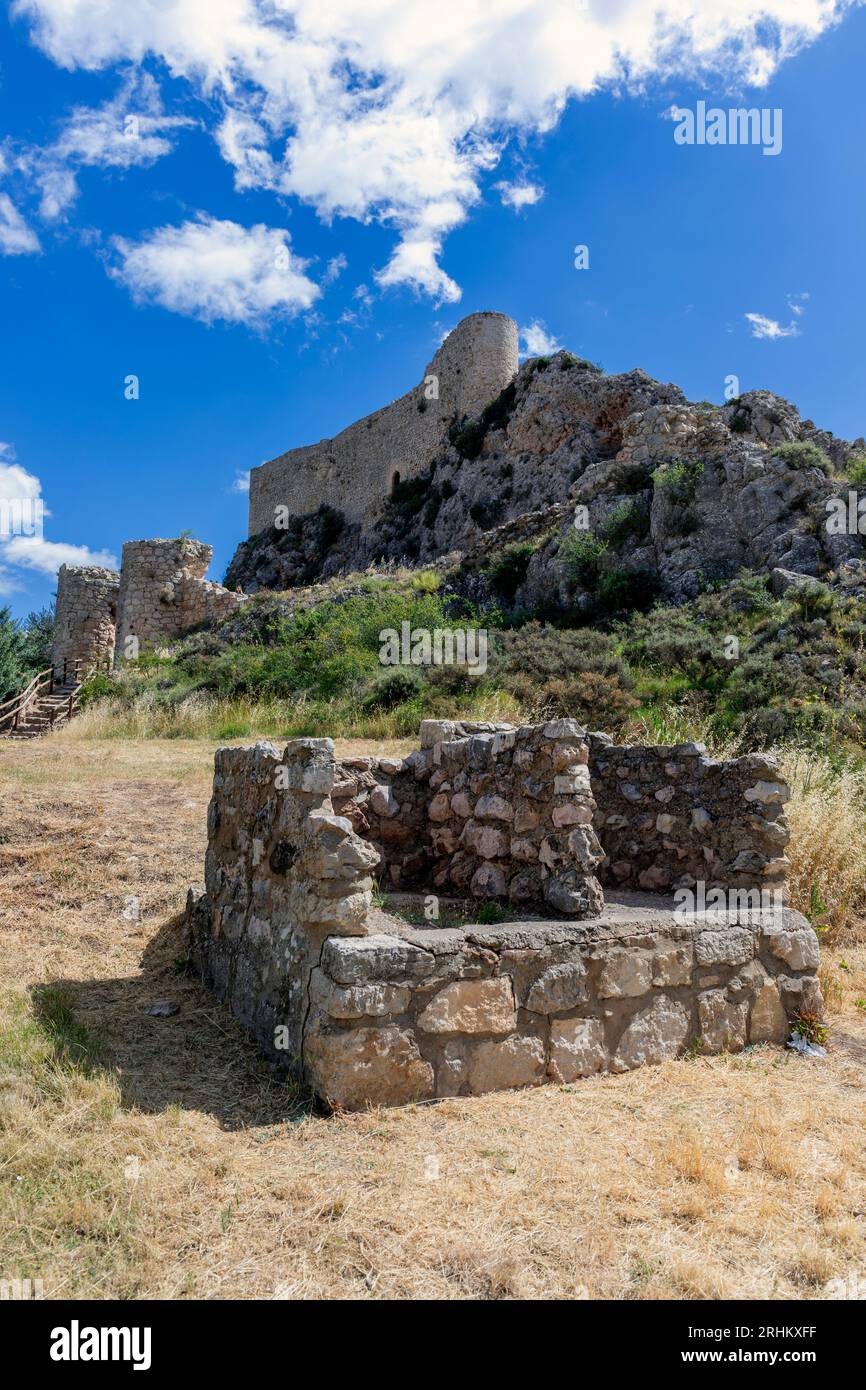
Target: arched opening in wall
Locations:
point(395, 481)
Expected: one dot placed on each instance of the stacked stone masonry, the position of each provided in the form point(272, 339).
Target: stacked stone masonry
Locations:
point(356, 470)
point(367, 1009)
point(163, 593)
point(86, 614)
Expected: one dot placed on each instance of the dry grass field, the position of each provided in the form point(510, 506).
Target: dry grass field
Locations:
point(158, 1157)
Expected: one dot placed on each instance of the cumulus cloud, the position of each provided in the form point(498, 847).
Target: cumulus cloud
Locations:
point(537, 341)
point(242, 481)
point(16, 237)
point(519, 195)
point(36, 553)
point(22, 551)
point(762, 327)
point(211, 269)
point(383, 109)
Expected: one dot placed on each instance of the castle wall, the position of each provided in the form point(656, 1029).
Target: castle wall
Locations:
point(85, 615)
point(163, 593)
point(355, 470)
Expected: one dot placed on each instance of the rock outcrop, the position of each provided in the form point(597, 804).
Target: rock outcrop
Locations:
point(682, 493)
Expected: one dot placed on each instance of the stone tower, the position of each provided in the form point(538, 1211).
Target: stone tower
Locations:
point(85, 616)
point(163, 593)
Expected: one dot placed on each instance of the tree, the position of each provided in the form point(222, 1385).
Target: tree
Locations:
point(11, 663)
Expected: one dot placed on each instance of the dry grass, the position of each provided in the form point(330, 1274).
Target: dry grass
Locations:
point(144, 1157)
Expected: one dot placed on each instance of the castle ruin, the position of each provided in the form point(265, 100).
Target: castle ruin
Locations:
point(159, 594)
point(359, 467)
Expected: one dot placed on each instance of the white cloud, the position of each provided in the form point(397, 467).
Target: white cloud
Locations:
point(334, 269)
point(384, 109)
point(538, 342)
point(762, 327)
point(16, 238)
point(519, 195)
point(211, 269)
point(242, 481)
point(797, 303)
point(36, 553)
point(131, 129)
point(32, 552)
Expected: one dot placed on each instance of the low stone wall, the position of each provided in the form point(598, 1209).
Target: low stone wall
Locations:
point(85, 615)
point(163, 593)
point(670, 817)
point(368, 1010)
point(494, 812)
point(446, 1012)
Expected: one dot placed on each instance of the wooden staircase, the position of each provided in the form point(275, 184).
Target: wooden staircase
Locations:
point(48, 702)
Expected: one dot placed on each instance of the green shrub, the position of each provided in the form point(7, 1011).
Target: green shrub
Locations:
point(100, 686)
point(628, 520)
point(486, 512)
point(802, 454)
point(507, 571)
point(855, 471)
point(679, 479)
point(581, 552)
point(624, 591)
point(394, 687)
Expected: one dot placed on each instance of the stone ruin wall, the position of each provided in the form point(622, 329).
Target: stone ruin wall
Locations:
point(163, 592)
point(669, 817)
point(355, 470)
point(284, 933)
point(85, 617)
point(495, 812)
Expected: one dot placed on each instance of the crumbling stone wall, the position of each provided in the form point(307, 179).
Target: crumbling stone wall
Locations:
point(494, 811)
point(163, 591)
point(373, 1011)
point(355, 470)
point(669, 817)
point(85, 615)
point(282, 873)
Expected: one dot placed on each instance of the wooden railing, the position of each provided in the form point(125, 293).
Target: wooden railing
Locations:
point(13, 713)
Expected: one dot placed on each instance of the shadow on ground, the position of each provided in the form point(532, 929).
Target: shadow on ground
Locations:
point(197, 1059)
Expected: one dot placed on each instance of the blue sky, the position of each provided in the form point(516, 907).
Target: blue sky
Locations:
point(298, 213)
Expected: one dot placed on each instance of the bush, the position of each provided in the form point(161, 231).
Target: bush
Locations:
point(394, 687)
point(855, 471)
point(679, 479)
point(628, 520)
point(486, 512)
point(507, 571)
point(581, 552)
point(802, 454)
point(468, 438)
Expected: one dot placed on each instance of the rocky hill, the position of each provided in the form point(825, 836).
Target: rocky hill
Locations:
point(587, 490)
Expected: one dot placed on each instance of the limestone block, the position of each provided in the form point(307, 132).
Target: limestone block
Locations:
point(768, 1021)
point(656, 1034)
point(722, 1024)
point(471, 1006)
point(625, 973)
point(576, 1048)
point(500, 1066)
point(358, 1067)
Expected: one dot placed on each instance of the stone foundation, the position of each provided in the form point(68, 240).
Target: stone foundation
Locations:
point(446, 1012)
point(366, 1009)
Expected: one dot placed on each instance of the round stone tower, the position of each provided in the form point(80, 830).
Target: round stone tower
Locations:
point(85, 615)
